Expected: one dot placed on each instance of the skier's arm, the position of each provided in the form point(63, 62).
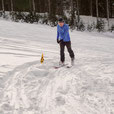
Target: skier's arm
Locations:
point(57, 32)
point(57, 35)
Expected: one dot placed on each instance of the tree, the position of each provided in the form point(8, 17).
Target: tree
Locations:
point(74, 9)
point(78, 13)
point(22, 5)
point(52, 11)
point(12, 5)
point(3, 8)
point(107, 4)
point(61, 5)
point(72, 13)
point(97, 11)
point(91, 7)
point(49, 3)
point(33, 3)
point(30, 6)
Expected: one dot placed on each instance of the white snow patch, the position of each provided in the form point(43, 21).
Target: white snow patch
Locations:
point(28, 87)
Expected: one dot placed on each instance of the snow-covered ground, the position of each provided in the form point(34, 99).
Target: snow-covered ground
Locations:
point(89, 19)
point(29, 87)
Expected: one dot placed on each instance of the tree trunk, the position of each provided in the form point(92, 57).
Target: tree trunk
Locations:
point(73, 12)
point(30, 6)
point(91, 8)
point(49, 2)
point(78, 13)
point(12, 5)
point(71, 5)
point(72, 16)
point(107, 2)
point(97, 10)
point(33, 3)
point(3, 8)
point(49, 8)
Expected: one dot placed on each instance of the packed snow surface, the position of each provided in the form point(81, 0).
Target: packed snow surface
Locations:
point(29, 87)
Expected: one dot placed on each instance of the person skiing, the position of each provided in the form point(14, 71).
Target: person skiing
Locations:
point(63, 39)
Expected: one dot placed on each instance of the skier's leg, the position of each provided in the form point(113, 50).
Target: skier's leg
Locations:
point(62, 54)
point(71, 53)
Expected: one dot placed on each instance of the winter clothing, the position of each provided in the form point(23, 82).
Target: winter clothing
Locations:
point(60, 20)
point(63, 38)
point(59, 41)
point(62, 47)
point(63, 33)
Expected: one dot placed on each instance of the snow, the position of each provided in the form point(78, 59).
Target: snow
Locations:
point(29, 87)
point(89, 20)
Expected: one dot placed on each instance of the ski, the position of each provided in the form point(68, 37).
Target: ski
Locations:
point(60, 66)
point(66, 66)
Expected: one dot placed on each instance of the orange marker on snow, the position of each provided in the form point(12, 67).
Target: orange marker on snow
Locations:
point(42, 59)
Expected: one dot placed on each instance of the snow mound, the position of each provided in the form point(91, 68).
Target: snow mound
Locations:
point(40, 89)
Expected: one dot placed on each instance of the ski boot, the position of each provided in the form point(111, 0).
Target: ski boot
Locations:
point(61, 63)
point(72, 61)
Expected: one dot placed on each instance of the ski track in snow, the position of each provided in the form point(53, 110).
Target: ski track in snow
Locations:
point(28, 87)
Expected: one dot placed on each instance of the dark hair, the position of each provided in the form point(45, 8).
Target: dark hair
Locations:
point(60, 20)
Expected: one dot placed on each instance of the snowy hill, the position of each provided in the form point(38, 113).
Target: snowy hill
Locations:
point(28, 87)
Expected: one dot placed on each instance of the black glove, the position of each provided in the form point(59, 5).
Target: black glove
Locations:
point(58, 41)
point(61, 41)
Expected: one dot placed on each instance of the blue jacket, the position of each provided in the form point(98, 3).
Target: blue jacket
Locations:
point(63, 33)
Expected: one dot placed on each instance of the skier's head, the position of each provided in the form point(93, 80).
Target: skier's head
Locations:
point(61, 22)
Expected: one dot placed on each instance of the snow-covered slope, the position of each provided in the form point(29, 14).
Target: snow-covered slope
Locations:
point(28, 87)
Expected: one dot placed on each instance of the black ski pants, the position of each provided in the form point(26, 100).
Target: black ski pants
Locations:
point(62, 49)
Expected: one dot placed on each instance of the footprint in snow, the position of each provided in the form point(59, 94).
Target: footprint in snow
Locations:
point(60, 100)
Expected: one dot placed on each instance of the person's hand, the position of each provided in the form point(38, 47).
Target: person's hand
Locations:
point(58, 41)
point(61, 41)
